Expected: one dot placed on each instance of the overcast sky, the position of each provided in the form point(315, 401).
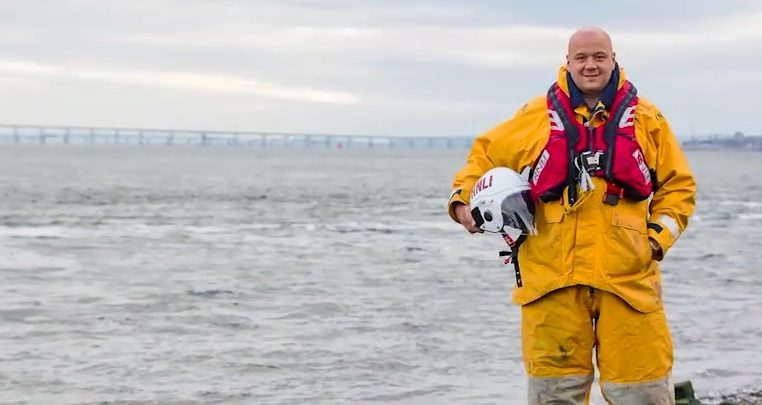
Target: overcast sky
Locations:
point(386, 67)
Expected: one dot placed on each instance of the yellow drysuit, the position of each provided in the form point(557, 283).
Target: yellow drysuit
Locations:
point(589, 278)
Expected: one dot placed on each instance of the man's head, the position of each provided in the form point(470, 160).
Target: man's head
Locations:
point(591, 60)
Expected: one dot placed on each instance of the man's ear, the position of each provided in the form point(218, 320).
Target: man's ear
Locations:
point(613, 56)
point(567, 60)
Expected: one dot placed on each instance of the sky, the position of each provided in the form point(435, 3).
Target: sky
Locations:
point(390, 67)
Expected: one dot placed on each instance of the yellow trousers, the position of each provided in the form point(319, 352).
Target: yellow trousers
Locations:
point(633, 350)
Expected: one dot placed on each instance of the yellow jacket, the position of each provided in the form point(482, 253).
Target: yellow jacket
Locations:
point(599, 245)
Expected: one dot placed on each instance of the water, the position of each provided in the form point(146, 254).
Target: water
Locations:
point(231, 276)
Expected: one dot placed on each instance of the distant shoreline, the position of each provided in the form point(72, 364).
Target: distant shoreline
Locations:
point(737, 142)
point(716, 148)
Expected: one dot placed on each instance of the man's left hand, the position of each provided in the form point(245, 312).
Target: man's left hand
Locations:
point(656, 253)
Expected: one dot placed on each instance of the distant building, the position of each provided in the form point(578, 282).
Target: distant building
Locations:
point(737, 141)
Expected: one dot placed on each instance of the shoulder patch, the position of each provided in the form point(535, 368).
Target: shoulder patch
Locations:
point(537, 104)
point(650, 109)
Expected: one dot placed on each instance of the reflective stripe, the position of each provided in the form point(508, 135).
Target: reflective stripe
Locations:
point(659, 392)
point(571, 390)
point(671, 224)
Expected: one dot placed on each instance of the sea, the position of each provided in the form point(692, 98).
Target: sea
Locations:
point(211, 275)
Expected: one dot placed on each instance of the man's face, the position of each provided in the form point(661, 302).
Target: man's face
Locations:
point(590, 62)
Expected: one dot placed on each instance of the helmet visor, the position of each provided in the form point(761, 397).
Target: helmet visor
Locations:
point(518, 212)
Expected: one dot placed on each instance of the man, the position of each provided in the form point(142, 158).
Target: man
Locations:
point(613, 192)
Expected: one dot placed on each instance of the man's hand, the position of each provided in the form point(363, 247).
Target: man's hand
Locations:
point(656, 253)
point(463, 212)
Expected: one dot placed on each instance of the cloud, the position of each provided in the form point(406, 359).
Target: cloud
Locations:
point(515, 47)
point(735, 31)
point(181, 80)
point(367, 66)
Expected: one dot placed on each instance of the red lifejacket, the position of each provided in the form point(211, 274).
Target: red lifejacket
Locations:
point(610, 151)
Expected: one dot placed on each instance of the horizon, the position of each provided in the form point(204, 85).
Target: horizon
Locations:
point(28, 134)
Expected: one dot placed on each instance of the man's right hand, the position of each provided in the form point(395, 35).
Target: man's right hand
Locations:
point(463, 212)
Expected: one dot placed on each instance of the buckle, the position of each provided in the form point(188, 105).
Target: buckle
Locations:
point(611, 199)
point(590, 161)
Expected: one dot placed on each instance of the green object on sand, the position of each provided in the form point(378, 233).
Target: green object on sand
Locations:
point(684, 394)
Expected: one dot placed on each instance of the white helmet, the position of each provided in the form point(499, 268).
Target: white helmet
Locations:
point(500, 199)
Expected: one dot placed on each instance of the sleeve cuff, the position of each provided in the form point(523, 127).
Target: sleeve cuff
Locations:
point(455, 197)
point(664, 231)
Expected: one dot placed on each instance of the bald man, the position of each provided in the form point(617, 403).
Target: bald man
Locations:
point(612, 192)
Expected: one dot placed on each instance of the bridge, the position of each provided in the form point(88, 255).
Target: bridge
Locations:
point(76, 135)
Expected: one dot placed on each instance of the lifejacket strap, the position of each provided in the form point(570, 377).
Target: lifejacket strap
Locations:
point(572, 137)
point(611, 127)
